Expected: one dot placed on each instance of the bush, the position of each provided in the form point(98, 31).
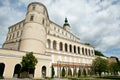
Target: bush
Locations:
point(53, 72)
point(84, 72)
point(63, 72)
point(69, 72)
point(79, 73)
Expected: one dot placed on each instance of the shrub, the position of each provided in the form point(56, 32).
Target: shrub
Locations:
point(69, 72)
point(84, 72)
point(79, 73)
point(53, 72)
point(63, 72)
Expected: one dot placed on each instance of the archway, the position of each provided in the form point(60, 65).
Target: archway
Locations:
point(61, 46)
point(44, 71)
point(74, 72)
point(2, 67)
point(70, 47)
point(66, 47)
point(69, 72)
point(74, 49)
point(48, 43)
point(17, 70)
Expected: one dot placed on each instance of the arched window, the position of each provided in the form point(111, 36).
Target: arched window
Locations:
point(89, 52)
point(2, 67)
point(61, 46)
point(54, 45)
point(70, 47)
point(48, 43)
point(86, 51)
point(78, 50)
point(83, 51)
point(66, 47)
point(74, 49)
point(17, 70)
point(44, 71)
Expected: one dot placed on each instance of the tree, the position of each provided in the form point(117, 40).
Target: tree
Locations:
point(79, 73)
point(100, 65)
point(87, 44)
point(69, 72)
point(114, 68)
point(63, 72)
point(53, 72)
point(98, 53)
point(28, 62)
point(84, 72)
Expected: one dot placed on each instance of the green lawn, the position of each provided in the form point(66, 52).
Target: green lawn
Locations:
point(86, 78)
point(97, 78)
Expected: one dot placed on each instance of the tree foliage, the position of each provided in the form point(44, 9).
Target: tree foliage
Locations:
point(88, 44)
point(79, 73)
point(28, 61)
point(100, 65)
point(114, 68)
point(53, 72)
point(63, 72)
point(84, 72)
point(98, 53)
point(69, 72)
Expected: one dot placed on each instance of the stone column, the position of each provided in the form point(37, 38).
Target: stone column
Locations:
point(38, 72)
point(63, 47)
point(51, 45)
point(57, 45)
point(68, 48)
point(8, 70)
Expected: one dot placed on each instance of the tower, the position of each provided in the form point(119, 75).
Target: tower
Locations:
point(66, 25)
point(34, 33)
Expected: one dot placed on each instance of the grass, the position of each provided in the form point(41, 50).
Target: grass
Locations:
point(87, 78)
point(111, 77)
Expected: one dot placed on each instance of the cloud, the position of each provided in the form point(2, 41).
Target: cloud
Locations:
point(94, 21)
point(10, 13)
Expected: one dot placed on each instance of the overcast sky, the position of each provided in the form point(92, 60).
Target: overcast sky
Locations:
point(94, 21)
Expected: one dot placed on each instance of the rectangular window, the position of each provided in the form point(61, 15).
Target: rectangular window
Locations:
point(31, 18)
point(33, 8)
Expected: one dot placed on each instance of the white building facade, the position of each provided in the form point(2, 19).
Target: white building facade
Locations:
point(52, 44)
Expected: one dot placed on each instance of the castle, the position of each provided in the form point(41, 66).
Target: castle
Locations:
point(52, 45)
